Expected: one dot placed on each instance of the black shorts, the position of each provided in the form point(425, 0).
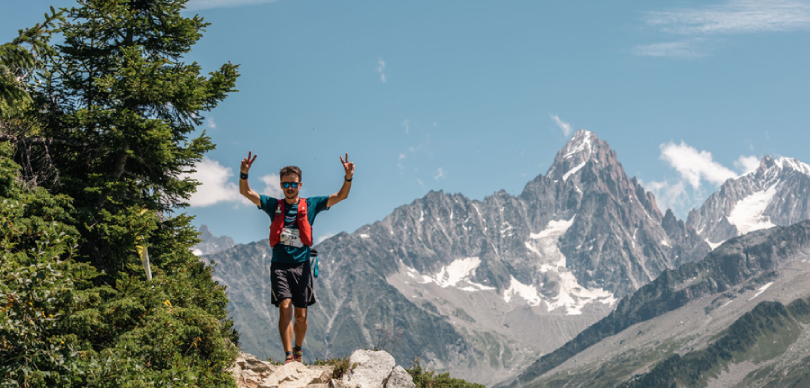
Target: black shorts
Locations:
point(292, 281)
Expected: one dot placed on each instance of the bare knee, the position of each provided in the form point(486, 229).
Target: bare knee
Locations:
point(285, 309)
point(300, 316)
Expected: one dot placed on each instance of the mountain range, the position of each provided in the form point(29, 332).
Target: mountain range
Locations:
point(485, 289)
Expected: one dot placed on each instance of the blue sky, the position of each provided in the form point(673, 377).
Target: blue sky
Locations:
point(473, 97)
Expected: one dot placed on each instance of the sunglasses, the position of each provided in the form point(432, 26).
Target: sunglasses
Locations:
point(287, 185)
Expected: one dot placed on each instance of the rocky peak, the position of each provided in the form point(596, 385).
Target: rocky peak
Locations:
point(773, 194)
point(575, 155)
point(210, 243)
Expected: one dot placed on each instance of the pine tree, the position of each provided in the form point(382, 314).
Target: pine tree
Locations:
point(104, 121)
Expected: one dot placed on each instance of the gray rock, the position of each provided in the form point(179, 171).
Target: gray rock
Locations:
point(372, 370)
point(400, 378)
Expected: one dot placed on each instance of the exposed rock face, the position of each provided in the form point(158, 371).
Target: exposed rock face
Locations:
point(776, 193)
point(371, 369)
point(478, 287)
point(210, 243)
point(697, 319)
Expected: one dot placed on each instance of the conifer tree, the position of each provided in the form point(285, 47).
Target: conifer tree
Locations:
point(105, 122)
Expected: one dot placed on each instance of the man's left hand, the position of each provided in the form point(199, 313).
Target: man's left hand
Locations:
point(347, 166)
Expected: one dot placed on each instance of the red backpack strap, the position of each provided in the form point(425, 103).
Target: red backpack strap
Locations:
point(277, 224)
point(304, 228)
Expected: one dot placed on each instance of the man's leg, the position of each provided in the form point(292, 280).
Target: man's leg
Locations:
point(285, 325)
point(300, 325)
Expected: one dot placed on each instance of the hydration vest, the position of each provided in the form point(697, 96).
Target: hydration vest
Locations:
point(304, 228)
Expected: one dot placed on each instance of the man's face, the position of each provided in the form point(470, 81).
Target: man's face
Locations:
point(293, 183)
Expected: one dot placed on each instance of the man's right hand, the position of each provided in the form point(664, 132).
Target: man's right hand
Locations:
point(247, 162)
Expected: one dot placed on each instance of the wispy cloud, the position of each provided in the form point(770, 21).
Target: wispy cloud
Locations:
point(196, 5)
point(381, 70)
point(683, 49)
point(406, 123)
point(731, 17)
point(565, 127)
point(439, 174)
point(694, 166)
point(211, 123)
point(734, 17)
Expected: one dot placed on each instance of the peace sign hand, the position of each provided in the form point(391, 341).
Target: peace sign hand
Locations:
point(247, 162)
point(347, 166)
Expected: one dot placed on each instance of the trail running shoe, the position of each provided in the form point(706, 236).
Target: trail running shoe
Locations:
point(298, 354)
point(289, 359)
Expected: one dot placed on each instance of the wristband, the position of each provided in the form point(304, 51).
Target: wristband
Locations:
point(348, 180)
point(242, 175)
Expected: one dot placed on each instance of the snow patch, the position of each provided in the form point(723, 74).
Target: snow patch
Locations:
point(571, 296)
point(748, 214)
point(363, 235)
point(516, 288)
point(554, 229)
point(761, 290)
point(574, 170)
point(457, 274)
point(713, 245)
point(197, 252)
point(665, 243)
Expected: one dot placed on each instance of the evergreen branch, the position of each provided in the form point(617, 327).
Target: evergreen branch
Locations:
point(41, 141)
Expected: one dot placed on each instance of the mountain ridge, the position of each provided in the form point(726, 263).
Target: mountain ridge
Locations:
point(757, 256)
point(465, 280)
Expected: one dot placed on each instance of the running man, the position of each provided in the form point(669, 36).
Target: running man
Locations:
point(291, 238)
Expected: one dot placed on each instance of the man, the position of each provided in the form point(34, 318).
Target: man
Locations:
point(291, 238)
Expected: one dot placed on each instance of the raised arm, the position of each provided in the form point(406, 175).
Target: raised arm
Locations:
point(347, 183)
point(244, 187)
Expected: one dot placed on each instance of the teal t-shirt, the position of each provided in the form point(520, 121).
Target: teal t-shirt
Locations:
point(284, 253)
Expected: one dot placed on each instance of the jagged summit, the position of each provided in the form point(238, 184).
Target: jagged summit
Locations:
point(771, 168)
point(776, 193)
point(575, 155)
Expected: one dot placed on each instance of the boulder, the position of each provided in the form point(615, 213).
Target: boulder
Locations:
point(371, 371)
point(400, 378)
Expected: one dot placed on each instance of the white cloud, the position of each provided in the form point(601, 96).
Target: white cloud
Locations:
point(271, 186)
point(693, 165)
point(565, 127)
point(439, 174)
point(324, 238)
point(216, 184)
point(211, 123)
point(734, 17)
point(746, 164)
point(219, 186)
point(196, 5)
point(420, 182)
point(381, 70)
point(684, 49)
point(406, 123)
